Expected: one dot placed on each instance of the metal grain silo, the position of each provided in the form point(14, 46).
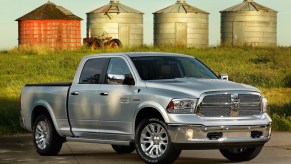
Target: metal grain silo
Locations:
point(249, 23)
point(51, 26)
point(118, 21)
point(181, 24)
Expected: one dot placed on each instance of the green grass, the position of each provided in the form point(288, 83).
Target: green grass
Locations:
point(266, 68)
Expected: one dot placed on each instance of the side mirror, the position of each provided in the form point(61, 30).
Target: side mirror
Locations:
point(116, 79)
point(223, 76)
point(128, 80)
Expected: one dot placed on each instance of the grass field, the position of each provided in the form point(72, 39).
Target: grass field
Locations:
point(266, 68)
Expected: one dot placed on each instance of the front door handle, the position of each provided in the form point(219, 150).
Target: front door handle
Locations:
point(75, 93)
point(104, 94)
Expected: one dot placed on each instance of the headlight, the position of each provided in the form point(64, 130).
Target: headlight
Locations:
point(182, 106)
point(264, 104)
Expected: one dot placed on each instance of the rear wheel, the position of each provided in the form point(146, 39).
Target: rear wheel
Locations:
point(153, 143)
point(115, 43)
point(124, 149)
point(45, 138)
point(241, 154)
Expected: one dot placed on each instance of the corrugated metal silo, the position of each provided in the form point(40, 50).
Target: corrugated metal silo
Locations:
point(181, 24)
point(249, 23)
point(51, 26)
point(119, 21)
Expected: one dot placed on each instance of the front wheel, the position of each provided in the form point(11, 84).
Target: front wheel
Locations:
point(241, 154)
point(153, 143)
point(45, 138)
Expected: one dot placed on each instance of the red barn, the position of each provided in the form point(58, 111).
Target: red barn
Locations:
point(51, 26)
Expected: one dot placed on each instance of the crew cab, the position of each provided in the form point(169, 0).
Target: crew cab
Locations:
point(155, 103)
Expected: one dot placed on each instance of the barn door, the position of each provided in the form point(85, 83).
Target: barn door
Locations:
point(124, 34)
point(181, 33)
point(238, 33)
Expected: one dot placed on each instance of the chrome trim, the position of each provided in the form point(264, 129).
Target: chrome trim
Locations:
point(178, 133)
point(234, 105)
point(114, 142)
point(231, 104)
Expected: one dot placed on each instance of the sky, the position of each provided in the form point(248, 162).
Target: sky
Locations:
point(13, 9)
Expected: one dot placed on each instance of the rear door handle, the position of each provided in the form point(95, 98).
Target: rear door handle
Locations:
point(104, 94)
point(75, 93)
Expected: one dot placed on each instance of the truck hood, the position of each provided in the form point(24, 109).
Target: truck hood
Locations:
point(196, 87)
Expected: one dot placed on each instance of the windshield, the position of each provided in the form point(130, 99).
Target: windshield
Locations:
point(167, 67)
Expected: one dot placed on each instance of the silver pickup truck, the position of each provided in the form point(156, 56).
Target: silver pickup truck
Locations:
point(155, 103)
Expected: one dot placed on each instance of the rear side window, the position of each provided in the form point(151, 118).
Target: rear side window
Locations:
point(118, 66)
point(92, 71)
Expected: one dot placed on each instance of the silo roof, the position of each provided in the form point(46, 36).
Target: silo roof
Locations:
point(115, 7)
point(248, 5)
point(49, 11)
point(180, 7)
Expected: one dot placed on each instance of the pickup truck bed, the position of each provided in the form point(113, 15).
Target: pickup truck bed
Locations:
point(49, 96)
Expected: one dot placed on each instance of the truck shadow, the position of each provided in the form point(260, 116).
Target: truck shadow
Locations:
point(111, 157)
point(185, 160)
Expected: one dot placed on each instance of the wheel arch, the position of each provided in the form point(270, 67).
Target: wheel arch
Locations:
point(150, 109)
point(44, 108)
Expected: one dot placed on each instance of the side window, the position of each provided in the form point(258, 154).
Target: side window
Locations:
point(92, 71)
point(117, 66)
point(118, 72)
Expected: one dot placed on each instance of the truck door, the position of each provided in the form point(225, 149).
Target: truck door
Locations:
point(116, 109)
point(83, 106)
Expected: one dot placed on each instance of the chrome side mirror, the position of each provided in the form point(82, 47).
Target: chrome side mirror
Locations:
point(223, 76)
point(116, 79)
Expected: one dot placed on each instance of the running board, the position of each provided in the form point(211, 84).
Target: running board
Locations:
point(113, 142)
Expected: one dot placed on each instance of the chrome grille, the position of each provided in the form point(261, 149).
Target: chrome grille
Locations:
point(230, 105)
point(249, 111)
point(249, 98)
point(217, 98)
point(215, 111)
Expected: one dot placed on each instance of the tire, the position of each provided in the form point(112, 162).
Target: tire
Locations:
point(153, 143)
point(124, 149)
point(46, 140)
point(115, 43)
point(96, 44)
point(241, 154)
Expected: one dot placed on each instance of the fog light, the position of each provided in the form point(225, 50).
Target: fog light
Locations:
point(189, 134)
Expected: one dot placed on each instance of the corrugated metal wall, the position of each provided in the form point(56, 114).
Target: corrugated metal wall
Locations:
point(128, 27)
point(249, 23)
point(56, 34)
point(249, 27)
point(189, 29)
point(181, 24)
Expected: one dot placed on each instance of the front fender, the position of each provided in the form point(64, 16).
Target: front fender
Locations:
point(154, 105)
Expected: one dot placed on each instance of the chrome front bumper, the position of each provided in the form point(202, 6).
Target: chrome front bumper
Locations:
point(196, 135)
